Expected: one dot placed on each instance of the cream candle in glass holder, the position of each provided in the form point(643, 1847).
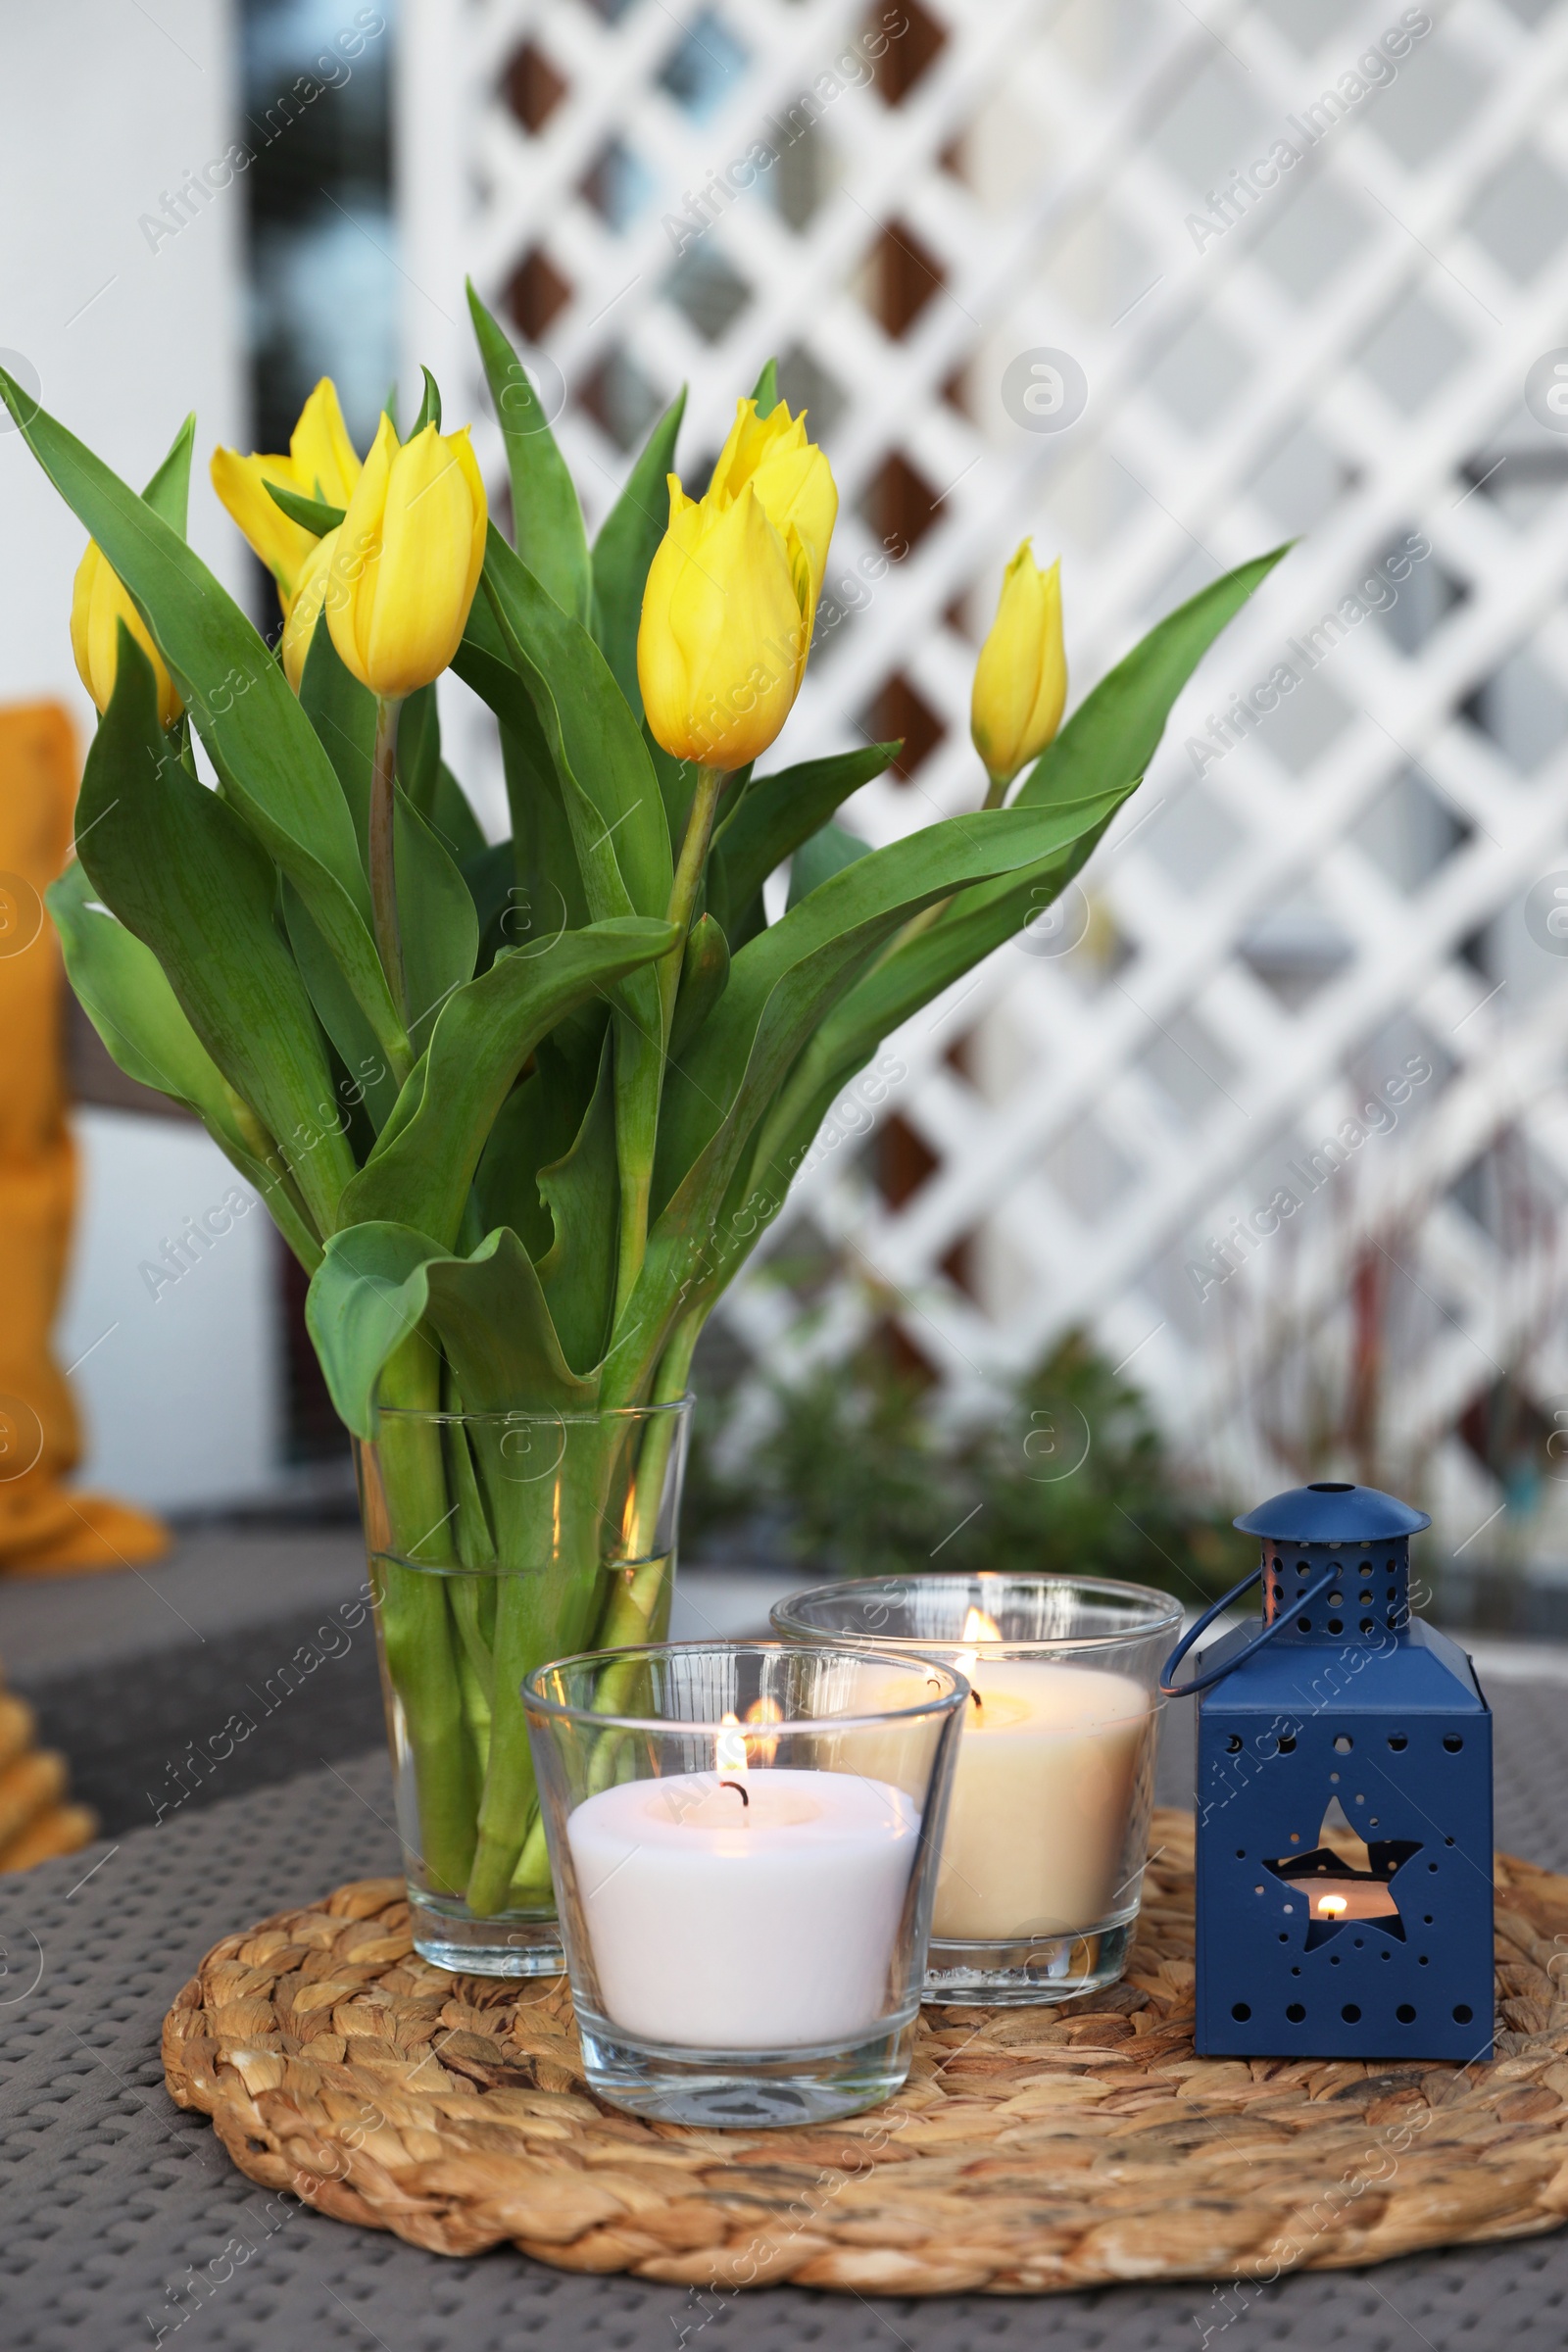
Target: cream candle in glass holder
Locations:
point(1042, 1791)
point(1046, 1834)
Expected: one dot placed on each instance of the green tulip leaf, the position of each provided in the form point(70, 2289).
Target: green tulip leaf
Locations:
point(678, 784)
point(492, 886)
point(429, 406)
point(581, 1192)
point(1109, 740)
point(369, 1079)
point(423, 1164)
point(367, 1296)
point(547, 519)
point(776, 814)
point(379, 1281)
point(342, 713)
point(827, 854)
point(181, 871)
point(169, 492)
point(429, 783)
point(535, 1126)
point(123, 988)
point(274, 769)
point(627, 543)
point(703, 978)
point(765, 389)
point(419, 759)
point(784, 983)
point(451, 817)
point(1115, 731)
point(314, 514)
point(1112, 736)
point(782, 987)
point(617, 815)
point(440, 924)
point(494, 1324)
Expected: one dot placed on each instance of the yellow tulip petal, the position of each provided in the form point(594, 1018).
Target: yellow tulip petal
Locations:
point(796, 486)
point(355, 560)
point(722, 649)
point(410, 552)
point(1020, 679)
point(752, 440)
point(305, 611)
point(326, 463)
point(284, 546)
point(99, 603)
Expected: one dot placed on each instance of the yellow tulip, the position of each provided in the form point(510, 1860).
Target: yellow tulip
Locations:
point(1021, 680)
point(306, 609)
point(726, 624)
point(98, 604)
point(789, 474)
point(408, 555)
point(321, 463)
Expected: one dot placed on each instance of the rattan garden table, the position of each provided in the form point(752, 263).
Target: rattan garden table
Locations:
point(113, 2200)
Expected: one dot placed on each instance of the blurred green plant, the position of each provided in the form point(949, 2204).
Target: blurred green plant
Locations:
point(858, 1476)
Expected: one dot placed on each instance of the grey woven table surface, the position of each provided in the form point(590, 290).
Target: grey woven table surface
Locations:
point(123, 2225)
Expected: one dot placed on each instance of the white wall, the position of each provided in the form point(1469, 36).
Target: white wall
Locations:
point(104, 109)
point(176, 1379)
point(101, 112)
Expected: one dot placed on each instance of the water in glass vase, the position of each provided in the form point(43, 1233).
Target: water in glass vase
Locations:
point(496, 1542)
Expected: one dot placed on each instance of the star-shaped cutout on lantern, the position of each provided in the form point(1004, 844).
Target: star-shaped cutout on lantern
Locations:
point(1344, 1879)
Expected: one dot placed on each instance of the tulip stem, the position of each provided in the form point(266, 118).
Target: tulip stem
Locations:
point(996, 792)
point(688, 876)
point(384, 867)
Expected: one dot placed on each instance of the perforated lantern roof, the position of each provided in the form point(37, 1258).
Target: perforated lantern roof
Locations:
point(1326, 1513)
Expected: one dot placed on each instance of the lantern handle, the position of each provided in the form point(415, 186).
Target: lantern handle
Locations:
point(1169, 1688)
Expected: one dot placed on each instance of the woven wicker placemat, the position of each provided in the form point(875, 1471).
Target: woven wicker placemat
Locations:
point(1032, 2149)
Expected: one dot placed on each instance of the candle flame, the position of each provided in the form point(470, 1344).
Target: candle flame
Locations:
point(762, 1710)
point(731, 1747)
point(977, 1627)
point(1331, 1906)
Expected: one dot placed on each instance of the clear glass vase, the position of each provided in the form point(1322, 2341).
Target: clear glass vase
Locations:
point(498, 1541)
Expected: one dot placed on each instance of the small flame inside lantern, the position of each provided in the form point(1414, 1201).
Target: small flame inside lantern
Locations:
point(1331, 1906)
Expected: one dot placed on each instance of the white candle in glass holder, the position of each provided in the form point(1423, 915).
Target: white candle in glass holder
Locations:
point(741, 1909)
point(1046, 1774)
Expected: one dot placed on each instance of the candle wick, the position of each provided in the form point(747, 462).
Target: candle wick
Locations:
point(739, 1790)
point(975, 1695)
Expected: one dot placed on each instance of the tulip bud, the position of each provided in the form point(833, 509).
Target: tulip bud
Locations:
point(98, 604)
point(726, 624)
point(408, 555)
point(790, 475)
point(306, 609)
point(321, 463)
point(1021, 680)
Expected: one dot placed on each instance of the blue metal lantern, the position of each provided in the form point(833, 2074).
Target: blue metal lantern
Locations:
point(1344, 1802)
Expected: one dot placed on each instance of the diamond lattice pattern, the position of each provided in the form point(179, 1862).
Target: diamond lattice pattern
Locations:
point(1309, 908)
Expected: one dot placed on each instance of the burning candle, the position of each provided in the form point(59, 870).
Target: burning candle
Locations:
point(745, 1908)
point(1041, 1796)
point(1349, 1898)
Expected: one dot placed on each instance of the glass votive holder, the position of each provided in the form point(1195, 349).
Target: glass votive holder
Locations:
point(1047, 1829)
point(743, 1836)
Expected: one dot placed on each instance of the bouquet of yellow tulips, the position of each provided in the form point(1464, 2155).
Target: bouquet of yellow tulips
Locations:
point(522, 1109)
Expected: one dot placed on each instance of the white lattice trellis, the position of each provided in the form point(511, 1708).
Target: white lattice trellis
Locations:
point(1276, 929)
